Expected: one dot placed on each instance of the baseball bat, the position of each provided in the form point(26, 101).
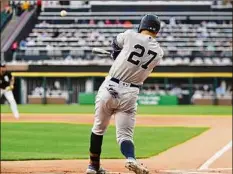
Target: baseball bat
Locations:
point(100, 51)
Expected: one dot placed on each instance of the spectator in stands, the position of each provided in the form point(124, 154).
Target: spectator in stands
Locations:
point(39, 4)
point(117, 22)
point(177, 91)
point(57, 85)
point(221, 90)
point(13, 6)
point(23, 44)
point(107, 22)
point(8, 9)
point(206, 91)
point(32, 4)
point(18, 9)
point(197, 94)
point(92, 22)
point(25, 5)
point(128, 24)
point(14, 48)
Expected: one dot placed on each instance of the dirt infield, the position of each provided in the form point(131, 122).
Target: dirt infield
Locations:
point(184, 158)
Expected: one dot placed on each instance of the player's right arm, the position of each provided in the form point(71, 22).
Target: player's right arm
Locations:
point(12, 82)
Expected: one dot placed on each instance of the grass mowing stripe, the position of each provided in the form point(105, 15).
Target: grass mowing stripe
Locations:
point(27, 141)
point(156, 110)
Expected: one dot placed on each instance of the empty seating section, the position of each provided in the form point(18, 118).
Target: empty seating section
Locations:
point(195, 38)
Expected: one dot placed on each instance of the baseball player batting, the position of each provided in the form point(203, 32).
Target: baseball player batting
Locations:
point(7, 85)
point(135, 55)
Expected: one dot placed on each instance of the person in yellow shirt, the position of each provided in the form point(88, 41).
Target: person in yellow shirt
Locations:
point(25, 5)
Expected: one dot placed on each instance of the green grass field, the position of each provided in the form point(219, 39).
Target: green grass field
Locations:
point(156, 110)
point(25, 141)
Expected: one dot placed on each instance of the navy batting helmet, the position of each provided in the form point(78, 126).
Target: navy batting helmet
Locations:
point(149, 22)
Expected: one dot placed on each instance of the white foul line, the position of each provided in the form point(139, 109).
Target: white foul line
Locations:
point(215, 156)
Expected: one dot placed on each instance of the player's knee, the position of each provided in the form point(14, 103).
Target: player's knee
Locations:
point(123, 135)
point(11, 100)
point(121, 139)
point(98, 130)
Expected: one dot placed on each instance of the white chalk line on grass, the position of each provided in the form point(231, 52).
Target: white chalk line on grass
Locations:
point(215, 156)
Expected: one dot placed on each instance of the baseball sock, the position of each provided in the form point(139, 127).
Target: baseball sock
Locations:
point(127, 149)
point(95, 150)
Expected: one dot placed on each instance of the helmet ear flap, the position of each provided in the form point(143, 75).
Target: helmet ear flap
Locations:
point(139, 27)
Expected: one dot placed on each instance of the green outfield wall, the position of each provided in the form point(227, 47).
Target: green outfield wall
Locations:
point(143, 99)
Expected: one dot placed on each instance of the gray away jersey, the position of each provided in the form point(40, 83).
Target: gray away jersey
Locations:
point(139, 55)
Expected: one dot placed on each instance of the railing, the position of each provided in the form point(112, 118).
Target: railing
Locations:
point(5, 18)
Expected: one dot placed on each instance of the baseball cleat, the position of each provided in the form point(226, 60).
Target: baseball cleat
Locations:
point(132, 165)
point(91, 170)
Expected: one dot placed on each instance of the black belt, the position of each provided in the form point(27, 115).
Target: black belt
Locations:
point(118, 81)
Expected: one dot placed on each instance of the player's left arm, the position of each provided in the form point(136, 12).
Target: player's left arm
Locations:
point(116, 49)
point(117, 44)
